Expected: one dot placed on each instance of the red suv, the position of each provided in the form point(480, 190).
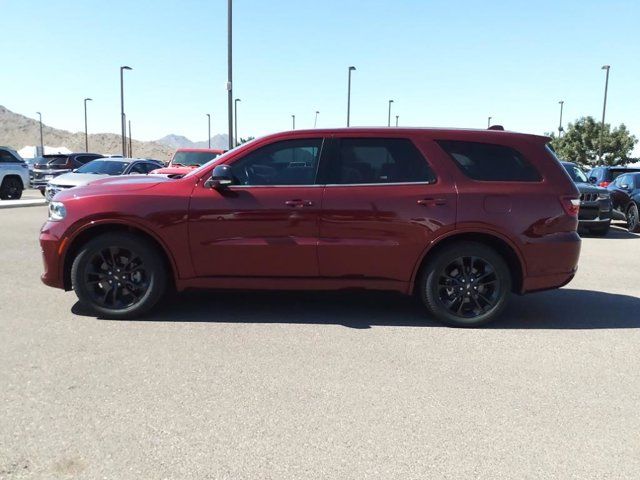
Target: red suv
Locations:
point(186, 159)
point(461, 218)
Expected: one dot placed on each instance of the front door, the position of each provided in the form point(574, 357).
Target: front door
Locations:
point(381, 208)
point(266, 224)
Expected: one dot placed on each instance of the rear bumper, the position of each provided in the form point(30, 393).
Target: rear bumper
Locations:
point(552, 261)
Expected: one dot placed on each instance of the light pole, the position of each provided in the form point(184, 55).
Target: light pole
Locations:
point(230, 71)
point(489, 122)
point(389, 116)
point(41, 140)
point(130, 144)
point(122, 117)
point(86, 134)
point(315, 121)
point(397, 117)
point(209, 129)
point(236, 119)
point(560, 130)
point(351, 69)
point(604, 108)
point(293, 119)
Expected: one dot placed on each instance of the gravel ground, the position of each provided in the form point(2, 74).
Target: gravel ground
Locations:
point(296, 386)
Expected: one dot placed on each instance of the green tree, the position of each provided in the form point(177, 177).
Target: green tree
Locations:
point(581, 143)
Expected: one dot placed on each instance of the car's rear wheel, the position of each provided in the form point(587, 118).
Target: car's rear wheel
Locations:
point(633, 220)
point(119, 275)
point(465, 284)
point(11, 189)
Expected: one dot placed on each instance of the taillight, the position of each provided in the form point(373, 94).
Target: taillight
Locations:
point(604, 184)
point(571, 205)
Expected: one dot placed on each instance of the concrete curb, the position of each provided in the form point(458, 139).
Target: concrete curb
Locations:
point(21, 203)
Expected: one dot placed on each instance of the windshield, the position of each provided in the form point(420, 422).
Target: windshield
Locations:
point(575, 173)
point(192, 159)
point(103, 167)
point(55, 160)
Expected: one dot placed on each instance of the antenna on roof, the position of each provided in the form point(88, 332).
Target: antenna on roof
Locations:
point(496, 127)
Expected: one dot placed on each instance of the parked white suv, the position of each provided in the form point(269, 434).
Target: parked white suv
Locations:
point(14, 174)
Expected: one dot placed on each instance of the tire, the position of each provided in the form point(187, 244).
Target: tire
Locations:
point(119, 275)
point(11, 189)
point(479, 270)
point(633, 218)
point(600, 231)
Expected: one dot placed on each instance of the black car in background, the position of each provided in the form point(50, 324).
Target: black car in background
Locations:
point(595, 202)
point(603, 176)
point(625, 197)
point(48, 167)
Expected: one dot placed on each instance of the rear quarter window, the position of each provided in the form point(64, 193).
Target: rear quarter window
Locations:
point(489, 162)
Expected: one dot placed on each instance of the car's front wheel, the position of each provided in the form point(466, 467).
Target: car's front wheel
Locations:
point(465, 284)
point(633, 220)
point(119, 275)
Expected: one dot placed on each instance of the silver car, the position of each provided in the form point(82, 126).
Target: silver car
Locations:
point(97, 169)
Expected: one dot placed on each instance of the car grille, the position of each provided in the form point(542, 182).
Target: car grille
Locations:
point(51, 191)
point(588, 197)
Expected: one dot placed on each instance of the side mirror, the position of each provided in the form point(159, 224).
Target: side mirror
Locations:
point(593, 180)
point(221, 178)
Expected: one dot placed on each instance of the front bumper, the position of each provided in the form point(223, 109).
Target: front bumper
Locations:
point(595, 213)
point(51, 246)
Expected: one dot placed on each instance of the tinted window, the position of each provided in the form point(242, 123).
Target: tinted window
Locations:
point(104, 167)
point(378, 160)
point(488, 162)
point(192, 159)
point(54, 160)
point(7, 157)
point(576, 174)
point(291, 162)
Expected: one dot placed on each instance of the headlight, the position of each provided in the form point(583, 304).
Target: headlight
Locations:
point(603, 196)
point(57, 211)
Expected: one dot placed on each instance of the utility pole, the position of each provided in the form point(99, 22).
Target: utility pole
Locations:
point(130, 144)
point(351, 69)
point(86, 134)
point(41, 137)
point(397, 117)
point(489, 122)
point(560, 130)
point(236, 119)
point(315, 121)
point(604, 108)
point(209, 129)
point(123, 123)
point(293, 118)
point(230, 71)
point(389, 116)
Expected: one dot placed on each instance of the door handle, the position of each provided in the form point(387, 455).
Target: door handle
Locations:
point(298, 203)
point(432, 202)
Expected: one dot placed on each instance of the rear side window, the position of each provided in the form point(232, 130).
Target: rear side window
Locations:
point(490, 163)
point(378, 160)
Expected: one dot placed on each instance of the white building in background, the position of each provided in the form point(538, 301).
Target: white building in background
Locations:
point(30, 151)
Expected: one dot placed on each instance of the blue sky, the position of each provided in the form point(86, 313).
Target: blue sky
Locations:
point(445, 63)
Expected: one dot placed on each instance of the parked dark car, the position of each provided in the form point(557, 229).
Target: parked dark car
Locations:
point(595, 202)
point(625, 196)
point(603, 176)
point(48, 167)
point(460, 218)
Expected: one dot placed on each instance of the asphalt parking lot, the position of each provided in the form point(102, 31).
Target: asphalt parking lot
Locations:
point(292, 386)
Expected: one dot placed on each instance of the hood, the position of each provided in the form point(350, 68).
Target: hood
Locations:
point(75, 179)
point(114, 184)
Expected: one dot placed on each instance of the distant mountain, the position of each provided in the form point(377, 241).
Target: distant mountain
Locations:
point(174, 141)
point(18, 131)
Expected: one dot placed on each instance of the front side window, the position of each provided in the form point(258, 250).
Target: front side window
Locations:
point(490, 163)
point(290, 162)
point(378, 160)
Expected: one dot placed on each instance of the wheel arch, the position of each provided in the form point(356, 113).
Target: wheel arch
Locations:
point(89, 232)
point(499, 243)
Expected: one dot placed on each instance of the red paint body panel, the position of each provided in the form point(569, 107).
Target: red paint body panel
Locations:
point(328, 236)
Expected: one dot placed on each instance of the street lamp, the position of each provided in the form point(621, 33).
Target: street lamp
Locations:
point(489, 122)
point(209, 129)
point(122, 117)
point(560, 129)
point(293, 118)
point(604, 108)
point(351, 69)
point(41, 141)
point(236, 119)
point(230, 71)
point(389, 116)
point(86, 135)
point(315, 121)
point(397, 117)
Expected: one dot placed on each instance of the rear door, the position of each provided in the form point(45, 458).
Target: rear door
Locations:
point(383, 204)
